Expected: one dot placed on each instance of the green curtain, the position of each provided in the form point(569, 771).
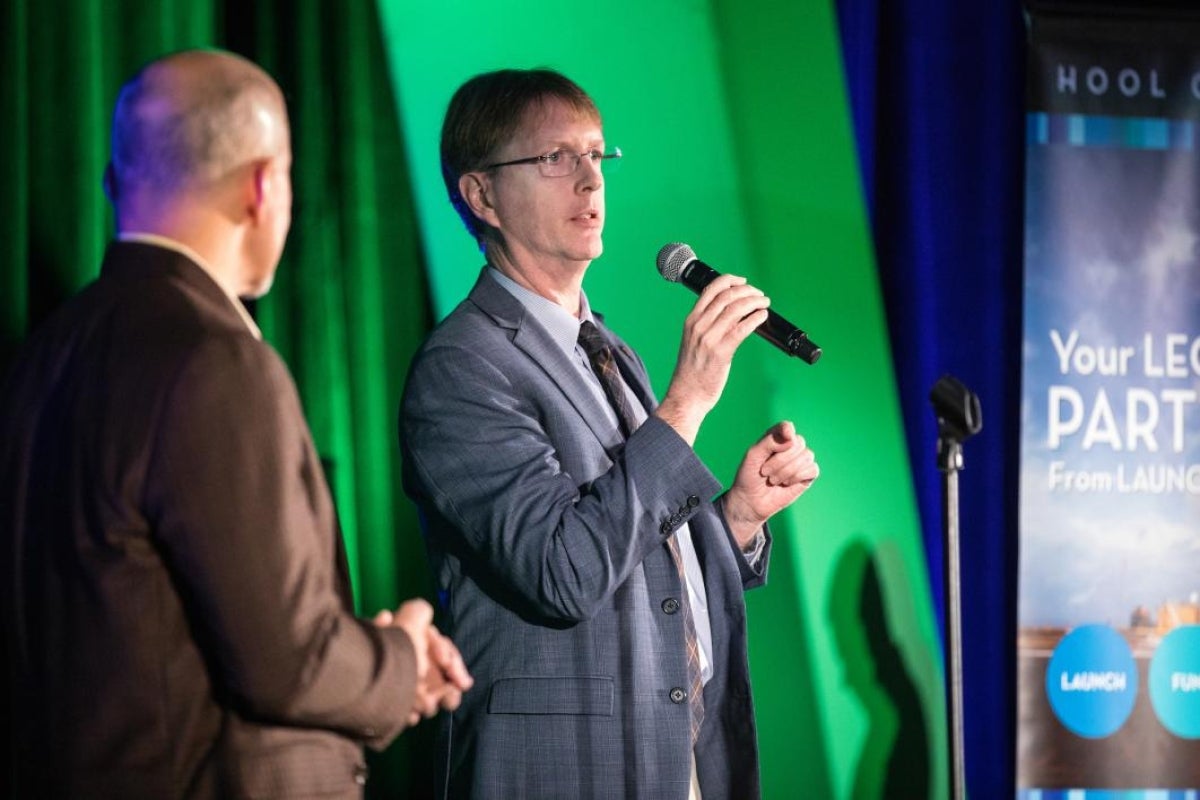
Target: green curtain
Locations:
point(350, 301)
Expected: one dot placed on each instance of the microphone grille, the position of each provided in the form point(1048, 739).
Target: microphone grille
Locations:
point(672, 258)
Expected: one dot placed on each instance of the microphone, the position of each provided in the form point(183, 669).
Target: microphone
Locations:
point(678, 263)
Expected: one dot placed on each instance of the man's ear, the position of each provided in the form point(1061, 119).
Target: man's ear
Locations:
point(257, 188)
point(475, 189)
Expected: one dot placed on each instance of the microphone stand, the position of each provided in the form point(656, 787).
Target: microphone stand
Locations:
point(958, 415)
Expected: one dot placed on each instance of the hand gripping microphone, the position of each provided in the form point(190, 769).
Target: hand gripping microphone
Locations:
point(678, 263)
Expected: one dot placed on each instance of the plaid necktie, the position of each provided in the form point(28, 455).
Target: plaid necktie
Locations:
point(604, 364)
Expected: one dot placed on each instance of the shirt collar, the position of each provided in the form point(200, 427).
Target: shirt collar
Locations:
point(561, 324)
point(179, 247)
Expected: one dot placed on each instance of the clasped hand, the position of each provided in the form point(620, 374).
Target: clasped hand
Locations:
point(442, 676)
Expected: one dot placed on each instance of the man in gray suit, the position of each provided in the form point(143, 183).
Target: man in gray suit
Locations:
point(593, 584)
point(174, 588)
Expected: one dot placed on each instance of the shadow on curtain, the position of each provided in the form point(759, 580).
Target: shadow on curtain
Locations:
point(895, 757)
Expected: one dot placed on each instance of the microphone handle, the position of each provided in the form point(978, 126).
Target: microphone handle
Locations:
point(776, 330)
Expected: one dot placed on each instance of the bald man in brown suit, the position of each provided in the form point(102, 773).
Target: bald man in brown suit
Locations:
point(175, 590)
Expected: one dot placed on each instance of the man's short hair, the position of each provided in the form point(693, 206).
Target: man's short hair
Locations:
point(169, 146)
point(486, 112)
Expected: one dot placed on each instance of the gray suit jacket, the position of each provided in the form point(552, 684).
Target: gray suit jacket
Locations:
point(546, 533)
point(175, 595)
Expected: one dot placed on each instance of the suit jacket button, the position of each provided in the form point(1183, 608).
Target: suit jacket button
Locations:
point(670, 605)
point(693, 501)
point(666, 527)
point(678, 696)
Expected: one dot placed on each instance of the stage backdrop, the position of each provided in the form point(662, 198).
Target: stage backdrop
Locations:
point(1109, 649)
point(734, 122)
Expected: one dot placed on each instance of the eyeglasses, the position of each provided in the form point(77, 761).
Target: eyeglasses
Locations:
point(560, 163)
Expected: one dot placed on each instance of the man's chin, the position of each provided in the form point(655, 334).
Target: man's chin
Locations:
point(594, 251)
point(257, 290)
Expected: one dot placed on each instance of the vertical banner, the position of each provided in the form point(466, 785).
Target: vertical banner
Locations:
point(1108, 641)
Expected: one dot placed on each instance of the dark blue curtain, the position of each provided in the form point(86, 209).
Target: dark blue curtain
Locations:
point(937, 92)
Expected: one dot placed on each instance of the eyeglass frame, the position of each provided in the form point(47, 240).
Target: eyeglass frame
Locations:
point(543, 163)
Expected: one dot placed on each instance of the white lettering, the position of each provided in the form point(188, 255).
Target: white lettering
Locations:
point(1070, 480)
point(1176, 361)
point(1102, 426)
point(1064, 350)
point(1129, 82)
point(1067, 79)
point(1185, 682)
point(1093, 682)
point(1160, 479)
point(1058, 426)
point(1180, 356)
point(1176, 398)
point(1139, 479)
point(1148, 420)
point(1155, 89)
point(1086, 359)
point(1151, 370)
point(1137, 426)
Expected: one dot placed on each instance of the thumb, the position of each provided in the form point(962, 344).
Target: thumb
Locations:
point(415, 612)
point(782, 433)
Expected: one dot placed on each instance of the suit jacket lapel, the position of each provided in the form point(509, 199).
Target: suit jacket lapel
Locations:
point(532, 339)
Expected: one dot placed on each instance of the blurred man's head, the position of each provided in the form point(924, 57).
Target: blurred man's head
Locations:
point(201, 153)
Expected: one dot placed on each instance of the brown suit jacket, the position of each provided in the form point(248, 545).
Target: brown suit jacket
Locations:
point(175, 592)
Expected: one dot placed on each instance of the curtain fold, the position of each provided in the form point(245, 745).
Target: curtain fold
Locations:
point(14, 181)
point(936, 92)
point(350, 301)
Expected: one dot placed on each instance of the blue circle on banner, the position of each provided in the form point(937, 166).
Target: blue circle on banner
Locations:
point(1175, 682)
point(1092, 681)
